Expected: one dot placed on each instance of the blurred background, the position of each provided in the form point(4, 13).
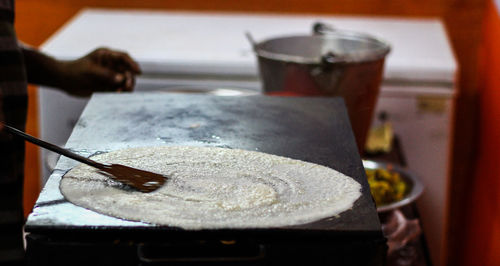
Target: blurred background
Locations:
point(473, 28)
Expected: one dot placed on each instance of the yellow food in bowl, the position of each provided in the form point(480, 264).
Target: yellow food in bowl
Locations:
point(386, 186)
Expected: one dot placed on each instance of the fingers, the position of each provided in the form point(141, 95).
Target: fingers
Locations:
point(107, 70)
point(129, 81)
point(124, 60)
point(121, 63)
point(117, 60)
point(107, 79)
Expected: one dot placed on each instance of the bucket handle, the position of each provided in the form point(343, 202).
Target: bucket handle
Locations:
point(321, 28)
point(330, 58)
point(251, 40)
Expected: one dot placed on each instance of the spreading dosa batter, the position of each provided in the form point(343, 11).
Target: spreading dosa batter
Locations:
point(211, 188)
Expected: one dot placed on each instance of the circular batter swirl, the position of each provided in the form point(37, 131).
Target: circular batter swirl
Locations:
point(210, 188)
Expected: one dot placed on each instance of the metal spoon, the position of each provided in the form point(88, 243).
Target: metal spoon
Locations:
point(141, 180)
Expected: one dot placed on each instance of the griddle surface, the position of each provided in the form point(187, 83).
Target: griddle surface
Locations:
point(309, 129)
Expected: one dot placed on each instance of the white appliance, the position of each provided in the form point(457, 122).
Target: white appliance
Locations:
point(210, 50)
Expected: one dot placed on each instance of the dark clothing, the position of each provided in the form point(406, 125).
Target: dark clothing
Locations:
point(13, 87)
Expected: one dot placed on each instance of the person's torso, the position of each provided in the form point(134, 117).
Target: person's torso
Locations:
point(12, 72)
point(13, 95)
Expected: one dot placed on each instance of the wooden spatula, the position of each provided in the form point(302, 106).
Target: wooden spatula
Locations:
point(141, 180)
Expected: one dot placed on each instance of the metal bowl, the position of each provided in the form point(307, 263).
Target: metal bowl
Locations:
point(414, 184)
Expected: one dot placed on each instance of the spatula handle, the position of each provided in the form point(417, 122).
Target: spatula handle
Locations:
point(52, 147)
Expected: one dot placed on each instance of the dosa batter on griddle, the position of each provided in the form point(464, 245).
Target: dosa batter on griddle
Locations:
point(213, 188)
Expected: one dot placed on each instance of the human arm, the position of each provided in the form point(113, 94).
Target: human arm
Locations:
point(101, 70)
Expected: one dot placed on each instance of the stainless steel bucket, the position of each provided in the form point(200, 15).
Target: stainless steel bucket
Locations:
point(336, 63)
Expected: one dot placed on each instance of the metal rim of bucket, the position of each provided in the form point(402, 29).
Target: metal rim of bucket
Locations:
point(373, 55)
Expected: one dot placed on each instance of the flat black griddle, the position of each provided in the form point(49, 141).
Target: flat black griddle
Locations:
point(309, 129)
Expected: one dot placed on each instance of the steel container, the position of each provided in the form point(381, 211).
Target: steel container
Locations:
point(328, 63)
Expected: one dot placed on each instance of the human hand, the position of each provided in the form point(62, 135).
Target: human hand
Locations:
point(101, 70)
